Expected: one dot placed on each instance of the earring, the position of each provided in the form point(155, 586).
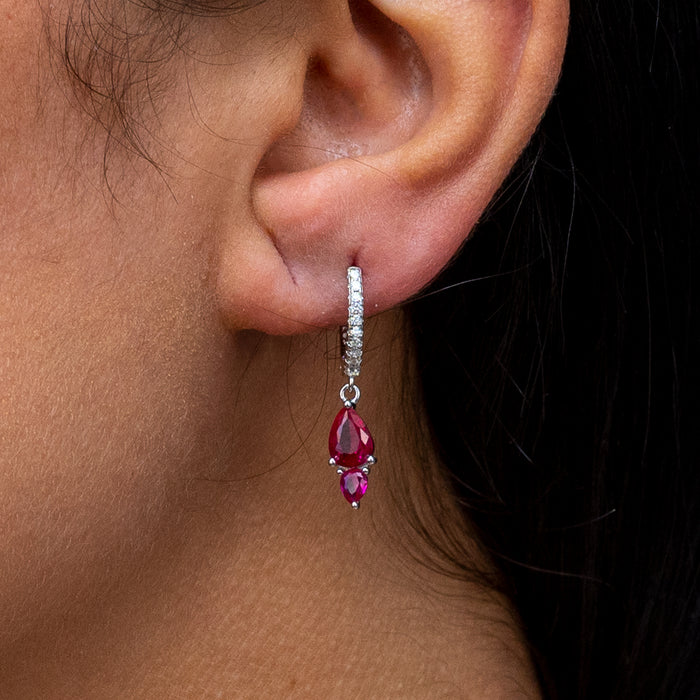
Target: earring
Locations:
point(350, 443)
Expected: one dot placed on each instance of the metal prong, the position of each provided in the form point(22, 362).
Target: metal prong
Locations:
point(331, 462)
point(365, 470)
point(371, 459)
point(339, 470)
point(355, 504)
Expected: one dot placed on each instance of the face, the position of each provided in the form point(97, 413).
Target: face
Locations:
point(116, 372)
point(126, 183)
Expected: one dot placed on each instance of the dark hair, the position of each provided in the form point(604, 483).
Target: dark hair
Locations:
point(561, 384)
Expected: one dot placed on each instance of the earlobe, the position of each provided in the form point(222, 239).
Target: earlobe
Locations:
point(412, 114)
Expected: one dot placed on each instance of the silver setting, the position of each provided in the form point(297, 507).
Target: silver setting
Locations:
point(353, 332)
point(352, 336)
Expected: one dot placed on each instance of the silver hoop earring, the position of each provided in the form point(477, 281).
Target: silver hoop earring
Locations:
point(350, 443)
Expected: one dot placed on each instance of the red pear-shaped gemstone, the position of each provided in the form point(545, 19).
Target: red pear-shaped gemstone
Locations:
point(350, 443)
point(353, 484)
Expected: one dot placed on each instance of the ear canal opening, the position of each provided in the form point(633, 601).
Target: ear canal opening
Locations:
point(367, 90)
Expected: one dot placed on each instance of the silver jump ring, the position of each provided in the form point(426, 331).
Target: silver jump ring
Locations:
point(356, 395)
point(354, 331)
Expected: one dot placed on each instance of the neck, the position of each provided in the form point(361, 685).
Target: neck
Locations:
point(258, 575)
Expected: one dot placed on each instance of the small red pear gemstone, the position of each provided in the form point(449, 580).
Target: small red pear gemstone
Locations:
point(350, 443)
point(353, 484)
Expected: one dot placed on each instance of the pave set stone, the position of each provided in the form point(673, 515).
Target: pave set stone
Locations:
point(353, 333)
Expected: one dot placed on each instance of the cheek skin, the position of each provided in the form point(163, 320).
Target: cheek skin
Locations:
point(119, 384)
point(118, 381)
point(116, 374)
point(107, 366)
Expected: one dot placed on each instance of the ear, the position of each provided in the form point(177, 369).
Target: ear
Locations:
point(409, 114)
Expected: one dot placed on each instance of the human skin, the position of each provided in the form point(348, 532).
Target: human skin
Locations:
point(169, 527)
